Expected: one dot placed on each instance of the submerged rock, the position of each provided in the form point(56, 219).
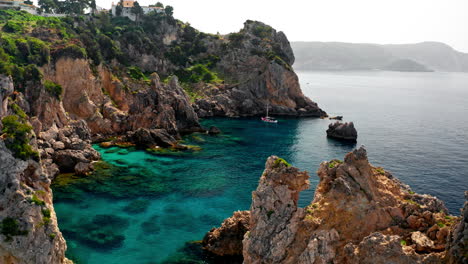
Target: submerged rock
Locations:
point(214, 130)
point(150, 138)
point(343, 131)
point(359, 214)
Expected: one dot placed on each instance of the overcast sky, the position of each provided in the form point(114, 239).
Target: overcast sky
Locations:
point(361, 21)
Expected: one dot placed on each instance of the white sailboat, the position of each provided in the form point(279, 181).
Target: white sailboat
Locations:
point(268, 118)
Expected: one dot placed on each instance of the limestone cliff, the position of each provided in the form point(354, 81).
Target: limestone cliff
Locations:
point(29, 231)
point(257, 64)
point(360, 214)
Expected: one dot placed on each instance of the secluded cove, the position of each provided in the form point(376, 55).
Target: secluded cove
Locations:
point(141, 207)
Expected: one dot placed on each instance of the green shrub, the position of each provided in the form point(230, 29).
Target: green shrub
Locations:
point(14, 27)
point(380, 171)
point(35, 200)
point(10, 228)
point(403, 242)
point(39, 52)
point(279, 161)
point(46, 212)
point(135, 73)
point(52, 236)
point(45, 221)
point(53, 89)
point(17, 133)
point(262, 31)
point(71, 51)
point(196, 74)
point(334, 163)
point(236, 39)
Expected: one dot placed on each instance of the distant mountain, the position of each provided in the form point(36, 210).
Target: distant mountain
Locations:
point(406, 65)
point(423, 56)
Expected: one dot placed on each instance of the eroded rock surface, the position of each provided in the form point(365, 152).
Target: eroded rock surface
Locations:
point(342, 131)
point(29, 226)
point(263, 76)
point(227, 239)
point(359, 214)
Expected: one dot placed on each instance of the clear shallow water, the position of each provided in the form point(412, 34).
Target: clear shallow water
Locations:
point(142, 208)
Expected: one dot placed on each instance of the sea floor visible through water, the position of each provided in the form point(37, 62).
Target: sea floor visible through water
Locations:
point(143, 208)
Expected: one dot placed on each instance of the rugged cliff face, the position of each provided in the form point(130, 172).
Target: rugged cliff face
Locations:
point(360, 214)
point(29, 231)
point(257, 67)
point(113, 106)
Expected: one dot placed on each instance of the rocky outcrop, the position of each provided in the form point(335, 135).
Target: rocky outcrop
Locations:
point(458, 240)
point(359, 214)
point(227, 239)
point(150, 138)
point(262, 76)
point(67, 149)
point(343, 131)
point(6, 88)
point(29, 231)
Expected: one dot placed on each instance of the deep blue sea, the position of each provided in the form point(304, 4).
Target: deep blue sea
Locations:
point(142, 207)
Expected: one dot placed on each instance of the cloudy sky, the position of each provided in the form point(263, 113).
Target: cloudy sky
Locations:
point(361, 21)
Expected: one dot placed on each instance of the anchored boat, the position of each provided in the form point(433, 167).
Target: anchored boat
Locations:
point(269, 119)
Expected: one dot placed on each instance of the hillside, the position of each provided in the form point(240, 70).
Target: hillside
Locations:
point(351, 56)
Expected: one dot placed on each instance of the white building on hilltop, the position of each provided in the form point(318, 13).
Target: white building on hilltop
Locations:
point(127, 9)
point(18, 5)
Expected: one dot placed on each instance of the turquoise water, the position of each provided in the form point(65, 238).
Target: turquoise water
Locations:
point(142, 208)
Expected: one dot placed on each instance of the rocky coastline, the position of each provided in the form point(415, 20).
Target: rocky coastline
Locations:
point(53, 109)
point(359, 214)
point(48, 126)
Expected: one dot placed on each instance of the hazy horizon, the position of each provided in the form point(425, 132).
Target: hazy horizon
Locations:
point(359, 21)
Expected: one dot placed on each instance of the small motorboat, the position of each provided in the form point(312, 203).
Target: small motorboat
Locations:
point(269, 119)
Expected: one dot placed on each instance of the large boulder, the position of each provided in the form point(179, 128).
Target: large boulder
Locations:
point(149, 138)
point(342, 131)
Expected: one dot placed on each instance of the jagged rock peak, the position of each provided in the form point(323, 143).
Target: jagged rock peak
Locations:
point(359, 214)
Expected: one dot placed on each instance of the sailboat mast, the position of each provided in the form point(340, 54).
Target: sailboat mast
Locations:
point(267, 109)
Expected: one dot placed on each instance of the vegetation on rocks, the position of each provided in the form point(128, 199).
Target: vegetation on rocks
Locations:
point(17, 133)
point(10, 228)
point(279, 161)
point(53, 88)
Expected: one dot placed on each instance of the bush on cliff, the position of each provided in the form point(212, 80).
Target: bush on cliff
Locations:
point(10, 228)
point(196, 74)
point(53, 88)
point(17, 137)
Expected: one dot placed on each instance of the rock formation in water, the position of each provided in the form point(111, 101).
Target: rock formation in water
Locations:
point(342, 131)
point(359, 214)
